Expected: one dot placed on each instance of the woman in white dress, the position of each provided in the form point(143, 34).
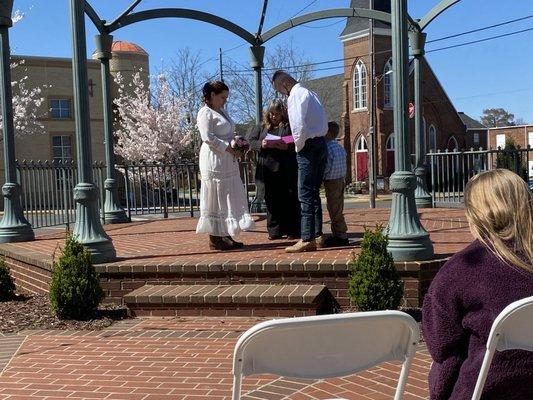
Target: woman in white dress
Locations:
point(223, 204)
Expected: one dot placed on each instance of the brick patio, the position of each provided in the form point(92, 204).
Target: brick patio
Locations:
point(180, 358)
point(169, 252)
point(190, 357)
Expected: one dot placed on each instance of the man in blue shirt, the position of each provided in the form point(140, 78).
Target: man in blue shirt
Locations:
point(334, 181)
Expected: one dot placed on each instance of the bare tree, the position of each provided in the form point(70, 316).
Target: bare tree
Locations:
point(186, 78)
point(240, 78)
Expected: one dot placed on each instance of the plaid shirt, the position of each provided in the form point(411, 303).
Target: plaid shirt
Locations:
point(336, 165)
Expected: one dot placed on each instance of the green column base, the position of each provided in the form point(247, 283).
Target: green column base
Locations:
point(422, 197)
point(116, 217)
point(16, 233)
point(408, 240)
point(14, 227)
point(88, 229)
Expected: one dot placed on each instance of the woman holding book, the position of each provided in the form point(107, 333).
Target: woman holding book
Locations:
point(277, 169)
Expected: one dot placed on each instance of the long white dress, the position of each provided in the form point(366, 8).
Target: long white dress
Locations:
point(223, 205)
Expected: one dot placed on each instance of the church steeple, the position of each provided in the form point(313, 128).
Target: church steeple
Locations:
point(360, 25)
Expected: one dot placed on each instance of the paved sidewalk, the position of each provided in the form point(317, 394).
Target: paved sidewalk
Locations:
point(186, 358)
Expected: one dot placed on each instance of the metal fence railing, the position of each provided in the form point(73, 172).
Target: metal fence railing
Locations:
point(47, 191)
point(144, 188)
point(451, 170)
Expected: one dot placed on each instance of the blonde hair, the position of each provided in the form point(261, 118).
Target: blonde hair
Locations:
point(499, 209)
point(279, 107)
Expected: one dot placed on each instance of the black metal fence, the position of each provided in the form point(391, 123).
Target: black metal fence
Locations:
point(144, 188)
point(451, 170)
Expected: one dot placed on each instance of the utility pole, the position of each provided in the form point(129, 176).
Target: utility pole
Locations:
point(372, 118)
point(220, 64)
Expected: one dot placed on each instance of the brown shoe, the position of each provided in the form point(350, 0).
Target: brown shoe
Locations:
point(218, 243)
point(321, 241)
point(234, 243)
point(301, 246)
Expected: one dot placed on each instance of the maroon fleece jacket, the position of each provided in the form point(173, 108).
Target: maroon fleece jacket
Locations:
point(465, 297)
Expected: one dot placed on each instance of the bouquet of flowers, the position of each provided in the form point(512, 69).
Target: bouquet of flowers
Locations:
point(240, 145)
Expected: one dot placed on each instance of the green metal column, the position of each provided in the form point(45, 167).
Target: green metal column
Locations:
point(408, 240)
point(114, 213)
point(88, 229)
point(13, 227)
point(422, 197)
point(257, 54)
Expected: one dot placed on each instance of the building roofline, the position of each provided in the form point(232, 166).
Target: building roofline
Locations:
point(511, 127)
point(49, 59)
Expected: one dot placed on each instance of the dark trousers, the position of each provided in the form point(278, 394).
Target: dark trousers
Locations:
point(278, 170)
point(311, 164)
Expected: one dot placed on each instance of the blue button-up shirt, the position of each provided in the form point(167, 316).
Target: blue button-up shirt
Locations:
point(336, 165)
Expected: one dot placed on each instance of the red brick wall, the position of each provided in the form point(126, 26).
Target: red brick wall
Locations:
point(437, 109)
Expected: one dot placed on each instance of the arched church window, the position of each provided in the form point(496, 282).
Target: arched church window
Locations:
point(359, 86)
point(387, 84)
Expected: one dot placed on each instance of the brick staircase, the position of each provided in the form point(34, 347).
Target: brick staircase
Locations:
point(261, 300)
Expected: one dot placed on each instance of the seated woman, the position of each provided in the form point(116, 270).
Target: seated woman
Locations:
point(277, 169)
point(475, 285)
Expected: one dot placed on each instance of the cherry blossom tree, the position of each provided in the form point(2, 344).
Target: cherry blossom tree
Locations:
point(27, 101)
point(152, 125)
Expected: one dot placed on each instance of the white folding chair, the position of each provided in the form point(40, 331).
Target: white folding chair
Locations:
point(510, 330)
point(326, 346)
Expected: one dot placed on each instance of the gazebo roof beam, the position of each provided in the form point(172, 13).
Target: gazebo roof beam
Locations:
point(126, 11)
point(97, 21)
point(435, 12)
point(333, 13)
point(182, 13)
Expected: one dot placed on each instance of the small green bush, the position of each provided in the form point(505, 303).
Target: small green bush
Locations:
point(374, 282)
point(7, 286)
point(75, 290)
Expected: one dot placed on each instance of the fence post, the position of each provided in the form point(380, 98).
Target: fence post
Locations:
point(191, 210)
point(127, 190)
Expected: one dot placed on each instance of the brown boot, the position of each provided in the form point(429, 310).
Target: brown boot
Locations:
point(218, 243)
point(301, 246)
point(234, 243)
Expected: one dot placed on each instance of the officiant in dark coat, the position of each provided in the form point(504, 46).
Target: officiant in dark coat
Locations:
point(277, 169)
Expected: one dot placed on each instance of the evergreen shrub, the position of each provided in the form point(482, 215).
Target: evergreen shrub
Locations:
point(374, 282)
point(7, 286)
point(75, 290)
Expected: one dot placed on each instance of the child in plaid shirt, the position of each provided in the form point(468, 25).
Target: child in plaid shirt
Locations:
point(334, 181)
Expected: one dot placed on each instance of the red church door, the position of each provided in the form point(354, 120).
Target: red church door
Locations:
point(361, 157)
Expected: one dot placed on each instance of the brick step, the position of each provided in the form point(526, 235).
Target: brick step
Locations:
point(237, 300)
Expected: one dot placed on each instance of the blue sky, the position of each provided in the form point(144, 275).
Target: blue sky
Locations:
point(496, 73)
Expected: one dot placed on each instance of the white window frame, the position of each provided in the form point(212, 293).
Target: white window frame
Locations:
point(390, 144)
point(62, 146)
point(387, 85)
point(359, 83)
point(64, 112)
point(500, 141)
point(476, 138)
point(361, 144)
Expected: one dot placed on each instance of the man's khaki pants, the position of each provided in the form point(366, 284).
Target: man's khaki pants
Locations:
point(335, 202)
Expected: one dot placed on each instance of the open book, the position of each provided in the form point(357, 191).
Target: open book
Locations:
point(287, 139)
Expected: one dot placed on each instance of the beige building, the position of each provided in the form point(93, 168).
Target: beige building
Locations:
point(55, 76)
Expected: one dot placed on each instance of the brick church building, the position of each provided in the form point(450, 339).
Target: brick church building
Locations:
point(444, 126)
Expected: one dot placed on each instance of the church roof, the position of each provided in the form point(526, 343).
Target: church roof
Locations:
point(470, 122)
point(329, 91)
point(355, 24)
point(121, 46)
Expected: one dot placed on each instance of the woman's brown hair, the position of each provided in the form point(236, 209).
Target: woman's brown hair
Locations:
point(277, 106)
point(214, 87)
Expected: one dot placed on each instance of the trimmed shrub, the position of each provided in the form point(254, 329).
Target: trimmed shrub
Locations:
point(75, 290)
point(374, 282)
point(7, 286)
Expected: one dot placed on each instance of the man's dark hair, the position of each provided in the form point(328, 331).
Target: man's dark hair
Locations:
point(333, 129)
point(277, 74)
